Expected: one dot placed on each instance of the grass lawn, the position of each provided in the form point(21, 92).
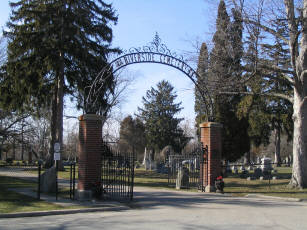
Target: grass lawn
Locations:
point(234, 185)
point(14, 202)
point(239, 187)
point(150, 179)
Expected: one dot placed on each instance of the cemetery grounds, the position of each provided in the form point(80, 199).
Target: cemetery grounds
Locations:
point(235, 185)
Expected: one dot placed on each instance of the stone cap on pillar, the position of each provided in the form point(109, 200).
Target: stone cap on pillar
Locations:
point(210, 124)
point(92, 117)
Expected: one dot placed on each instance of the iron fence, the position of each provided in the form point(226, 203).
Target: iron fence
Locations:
point(72, 180)
point(193, 165)
point(117, 175)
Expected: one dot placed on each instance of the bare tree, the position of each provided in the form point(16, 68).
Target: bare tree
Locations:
point(71, 142)
point(294, 13)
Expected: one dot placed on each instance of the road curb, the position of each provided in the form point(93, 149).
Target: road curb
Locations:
point(61, 212)
point(274, 197)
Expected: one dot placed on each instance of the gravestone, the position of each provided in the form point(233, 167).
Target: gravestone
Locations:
point(146, 160)
point(235, 169)
point(48, 180)
point(182, 180)
point(287, 162)
point(251, 178)
point(152, 165)
point(258, 160)
point(266, 165)
point(147, 164)
point(250, 168)
point(228, 169)
point(166, 151)
point(161, 168)
point(257, 173)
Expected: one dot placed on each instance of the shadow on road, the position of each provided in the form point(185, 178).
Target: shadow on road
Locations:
point(150, 198)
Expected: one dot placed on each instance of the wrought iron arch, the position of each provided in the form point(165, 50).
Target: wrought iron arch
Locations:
point(154, 52)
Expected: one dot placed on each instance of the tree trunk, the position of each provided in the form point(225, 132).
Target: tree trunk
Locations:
point(277, 146)
point(53, 125)
point(60, 91)
point(60, 106)
point(299, 169)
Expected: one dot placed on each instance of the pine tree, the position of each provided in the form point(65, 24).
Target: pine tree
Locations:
point(224, 72)
point(281, 110)
point(202, 70)
point(253, 107)
point(158, 114)
point(56, 48)
point(131, 136)
point(220, 59)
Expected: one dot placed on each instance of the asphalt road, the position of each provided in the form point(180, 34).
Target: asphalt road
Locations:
point(162, 209)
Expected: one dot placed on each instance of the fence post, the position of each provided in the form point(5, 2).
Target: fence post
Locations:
point(56, 180)
point(39, 181)
point(132, 179)
point(70, 180)
point(73, 180)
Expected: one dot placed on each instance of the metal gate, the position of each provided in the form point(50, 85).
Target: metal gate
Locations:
point(193, 162)
point(117, 174)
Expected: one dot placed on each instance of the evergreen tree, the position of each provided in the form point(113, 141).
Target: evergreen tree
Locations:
point(294, 15)
point(266, 114)
point(158, 114)
point(224, 72)
point(220, 59)
point(202, 70)
point(254, 107)
point(56, 48)
point(280, 110)
point(131, 136)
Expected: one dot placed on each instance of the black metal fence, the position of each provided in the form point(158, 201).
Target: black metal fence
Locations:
point(21, 176)
point(252, 171)
point(72, 180)
point(117, 175)
point(191, 163)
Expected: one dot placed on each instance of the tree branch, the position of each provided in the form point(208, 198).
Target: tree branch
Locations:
point(267, 29)
point(279, 95)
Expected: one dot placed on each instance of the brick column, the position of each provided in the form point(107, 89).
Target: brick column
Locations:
point(89, 162)
point(211, 136)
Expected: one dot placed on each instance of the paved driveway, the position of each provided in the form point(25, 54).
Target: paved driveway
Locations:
point(163, 209)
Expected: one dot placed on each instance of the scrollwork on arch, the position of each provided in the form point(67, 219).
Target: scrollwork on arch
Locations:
point(154, 52)
point(155, 46)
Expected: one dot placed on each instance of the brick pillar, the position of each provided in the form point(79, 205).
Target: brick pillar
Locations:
point(89, 162)
point(211, 136)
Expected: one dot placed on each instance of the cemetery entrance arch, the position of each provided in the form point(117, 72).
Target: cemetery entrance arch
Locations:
point(90, 138)
point(154, 52)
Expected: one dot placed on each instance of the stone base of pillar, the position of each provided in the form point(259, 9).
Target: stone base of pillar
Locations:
point(84, 195)
point(210, 188)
